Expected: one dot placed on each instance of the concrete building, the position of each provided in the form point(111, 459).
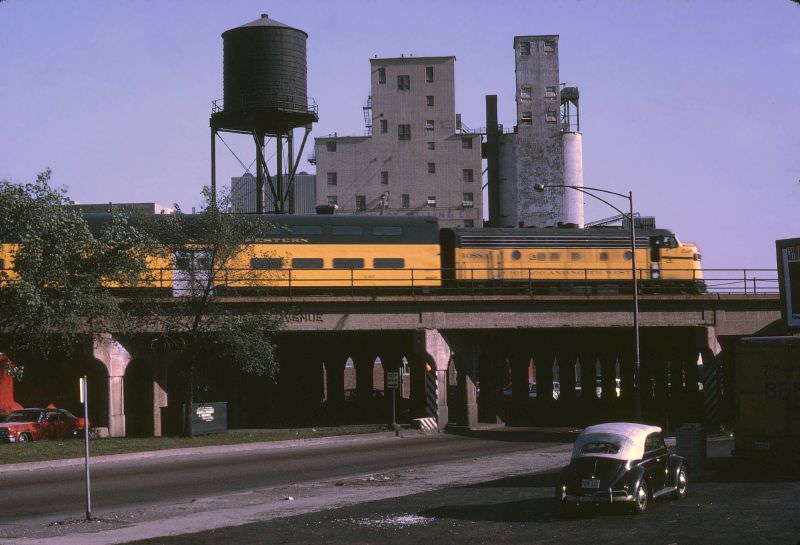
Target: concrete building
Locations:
point(545, 146)
point(303, 197)
point(416, 159)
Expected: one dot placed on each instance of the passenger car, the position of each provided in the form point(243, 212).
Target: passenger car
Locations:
point(621, 462)
point(37, 424)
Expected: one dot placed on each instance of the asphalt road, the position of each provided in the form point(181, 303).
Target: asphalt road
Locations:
point(53, 494)
point(735, 504)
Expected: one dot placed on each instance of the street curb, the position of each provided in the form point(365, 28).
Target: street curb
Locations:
point(206, 450)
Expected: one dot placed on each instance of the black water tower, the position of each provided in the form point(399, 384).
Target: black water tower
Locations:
point(265, 94)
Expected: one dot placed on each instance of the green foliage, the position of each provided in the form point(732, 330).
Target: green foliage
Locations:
point(57, 291)
point(197, 324)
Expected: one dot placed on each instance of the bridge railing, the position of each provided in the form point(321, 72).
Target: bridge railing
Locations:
point(471, 281)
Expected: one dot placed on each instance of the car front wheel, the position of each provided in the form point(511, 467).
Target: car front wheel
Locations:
point(641, 498)
point(681, 485)
point(24, 438)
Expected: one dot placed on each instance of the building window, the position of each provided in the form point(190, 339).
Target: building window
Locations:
point(431, 168)
point(429, 100)
point(467, 201)
point(429, 125)
point(381, 75)
point(431, 201)
point(330, 145)
point(429, 74)
point(551, 116)
point(405, 202)
point(550, 91)
point(467, 175)
point(384, 126)
point(524, 48)
point(469, 223)
point(549, 46)
point(385, 177)
point(361, 202)
point(403, 83)
point(527, 118)
point(333, 200)
point(331, 176)
point(431, 145)
point(404, 132)
point(525, 92)
point(466, 143)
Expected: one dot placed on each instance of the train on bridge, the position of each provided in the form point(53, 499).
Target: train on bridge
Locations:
point(390, 253)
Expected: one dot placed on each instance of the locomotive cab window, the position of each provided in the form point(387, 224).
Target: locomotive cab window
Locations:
point(348, 263)
point(306, 263)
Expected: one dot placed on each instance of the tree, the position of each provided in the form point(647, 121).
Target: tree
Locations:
point(197, 324)
point(56, 286)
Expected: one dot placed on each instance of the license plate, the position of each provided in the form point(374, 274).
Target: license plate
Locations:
point(590, 483)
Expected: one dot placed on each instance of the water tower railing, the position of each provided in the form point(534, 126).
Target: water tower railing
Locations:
point(290, 103)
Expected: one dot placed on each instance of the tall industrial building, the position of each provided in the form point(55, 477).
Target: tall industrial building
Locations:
point(545, 147)
point(302, 200)
point(415, 159)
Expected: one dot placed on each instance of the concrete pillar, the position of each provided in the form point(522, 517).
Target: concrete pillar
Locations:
point(160, 397)
point(520, 403)
point(435, 353)
point(115, 357)
point(334, 373)
point(466, 357)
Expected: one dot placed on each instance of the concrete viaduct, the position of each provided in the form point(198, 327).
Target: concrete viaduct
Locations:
point(488, 352)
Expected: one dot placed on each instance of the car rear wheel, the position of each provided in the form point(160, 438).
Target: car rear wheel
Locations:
point(24, 438)
point(681, 485)
point(641, 498)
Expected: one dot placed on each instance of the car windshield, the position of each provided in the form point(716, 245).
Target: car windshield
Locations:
point(23, 416)
point(600, 447)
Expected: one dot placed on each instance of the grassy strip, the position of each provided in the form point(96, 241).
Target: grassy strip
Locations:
point(74, 448)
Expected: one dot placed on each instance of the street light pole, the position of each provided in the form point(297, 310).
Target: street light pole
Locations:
point(637, 392)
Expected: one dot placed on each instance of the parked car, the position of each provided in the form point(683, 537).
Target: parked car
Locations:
point(38, 424)
point(621, 463)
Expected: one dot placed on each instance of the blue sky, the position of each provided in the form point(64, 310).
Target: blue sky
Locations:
point(692, 105)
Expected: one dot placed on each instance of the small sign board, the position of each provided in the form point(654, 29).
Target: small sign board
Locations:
point(392, 379)
point(209, 418)
point(788, 253)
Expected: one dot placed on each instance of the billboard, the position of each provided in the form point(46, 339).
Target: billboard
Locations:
point(788, 251)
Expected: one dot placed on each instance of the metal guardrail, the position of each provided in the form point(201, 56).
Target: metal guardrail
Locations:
point(472, 281)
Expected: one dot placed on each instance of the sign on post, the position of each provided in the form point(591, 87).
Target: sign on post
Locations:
point(392, 379)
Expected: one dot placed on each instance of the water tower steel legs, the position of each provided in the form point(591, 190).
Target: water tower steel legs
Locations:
point(213, 168)
point(259, 137)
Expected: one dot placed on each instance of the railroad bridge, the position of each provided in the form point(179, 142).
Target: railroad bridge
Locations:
point(463, 360)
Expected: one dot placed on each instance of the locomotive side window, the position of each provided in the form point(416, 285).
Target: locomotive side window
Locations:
point(348, 263)
point(306, 263)
point(388, 263)
point(575, 256)
point(515, 255)
point(2, 264)
point(307, 230)
point(541, 256)
point(555, 256)
point(603, 256)
point(266, 263)
point(347, 230)
point(387, 230)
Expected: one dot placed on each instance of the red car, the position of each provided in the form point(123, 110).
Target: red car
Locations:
point(37, 424)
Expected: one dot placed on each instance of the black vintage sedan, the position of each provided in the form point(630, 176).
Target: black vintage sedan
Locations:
point(621, 463)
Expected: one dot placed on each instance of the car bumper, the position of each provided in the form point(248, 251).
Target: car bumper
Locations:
point(614, 496)
point(9, 439)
